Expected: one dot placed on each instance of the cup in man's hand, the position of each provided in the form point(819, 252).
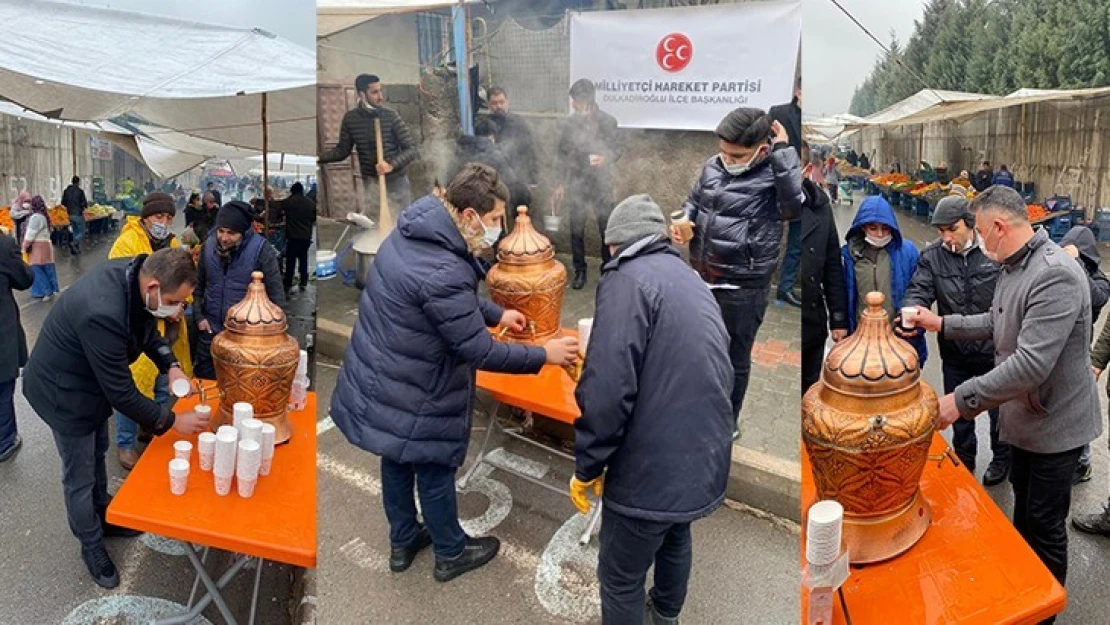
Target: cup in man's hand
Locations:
point(685, 229)
point(908, 315)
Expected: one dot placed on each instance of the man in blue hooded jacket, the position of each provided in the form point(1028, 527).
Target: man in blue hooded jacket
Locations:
point(877, 258)
point(406, 388)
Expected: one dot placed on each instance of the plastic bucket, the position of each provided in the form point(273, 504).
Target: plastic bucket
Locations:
point(325, 264)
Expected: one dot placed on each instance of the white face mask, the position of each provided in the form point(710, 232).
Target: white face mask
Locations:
point(27, 206)
point(491, 235)
point(879, 241)
point(161, 311)
point(159, 231)
point(983, 244)
point(738, 170)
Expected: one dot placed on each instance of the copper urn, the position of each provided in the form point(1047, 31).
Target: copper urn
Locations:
point(528, 278)
point(867, 426)
point(256, 360)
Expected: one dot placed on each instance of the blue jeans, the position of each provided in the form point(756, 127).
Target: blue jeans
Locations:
point(788, 275)
point(78, 224)
point(8, 429)
point(126, 429)
point(46, 280)
point(627, 549)
point(436, 483)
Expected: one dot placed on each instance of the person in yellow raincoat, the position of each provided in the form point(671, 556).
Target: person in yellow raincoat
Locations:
point(145, 235)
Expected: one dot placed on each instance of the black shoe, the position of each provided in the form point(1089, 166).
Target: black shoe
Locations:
point(997, 472)
point(1093, 523)
point(477, 553)
point(791, 299)
point(653, 617)
point(400, 558)
point(1082, 474)
point(10, 451)
point(100, 566)
point(579, 280)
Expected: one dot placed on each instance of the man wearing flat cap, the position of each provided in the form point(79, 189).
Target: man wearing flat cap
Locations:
point(231, 253)
point(657, 419)
point(953, 272)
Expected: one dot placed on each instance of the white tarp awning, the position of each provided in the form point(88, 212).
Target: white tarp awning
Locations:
point(333, 16)
point(200, 79)
point(7, 108)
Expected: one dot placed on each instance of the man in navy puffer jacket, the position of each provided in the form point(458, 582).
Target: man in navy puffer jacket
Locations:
point(406, 388)
point(737, 207)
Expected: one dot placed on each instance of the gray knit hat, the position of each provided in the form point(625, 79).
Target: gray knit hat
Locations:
point(950, 210)
point(636, 217)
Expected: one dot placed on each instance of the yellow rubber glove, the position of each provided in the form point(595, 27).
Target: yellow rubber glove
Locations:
point(578, 491)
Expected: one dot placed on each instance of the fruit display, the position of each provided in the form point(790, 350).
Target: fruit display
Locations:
point(6, 223)
point(58, 216)
point(1036, 211)
point(846, 169)
point(97, 211)
point(906, 187)
point(886, 180)
point(963, 182)
point(924, 189)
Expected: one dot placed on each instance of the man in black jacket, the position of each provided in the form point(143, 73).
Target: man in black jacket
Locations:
point(790, 116)
point(73, 198)
point(737, 207)
point(656, 418)
point(14, 274)
point(78, 372)
point(821, 273)
point(953, 272)
point(300, 218)
point(398, 147)
point(514, 137)
point(229, 256)
point(588, 147)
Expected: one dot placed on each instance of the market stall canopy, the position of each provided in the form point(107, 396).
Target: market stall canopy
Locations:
point(333, 16)
point(205, 80)
point(960, 111)
point(14, 110)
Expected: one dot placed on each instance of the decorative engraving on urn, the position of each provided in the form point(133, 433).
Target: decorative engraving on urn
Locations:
point(867, 427)
point(528, 278)
point(256, 360)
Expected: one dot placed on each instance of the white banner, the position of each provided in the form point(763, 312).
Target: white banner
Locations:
point(686, 68)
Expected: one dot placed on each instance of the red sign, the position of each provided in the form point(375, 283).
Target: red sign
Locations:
point(674, 52)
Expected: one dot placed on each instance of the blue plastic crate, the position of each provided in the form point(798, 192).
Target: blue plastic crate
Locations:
point(921, 207)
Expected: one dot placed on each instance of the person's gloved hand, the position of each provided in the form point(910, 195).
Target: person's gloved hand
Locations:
point(578, 491)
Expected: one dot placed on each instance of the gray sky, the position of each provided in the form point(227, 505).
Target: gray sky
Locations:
point(294, 20)
point(837, 56)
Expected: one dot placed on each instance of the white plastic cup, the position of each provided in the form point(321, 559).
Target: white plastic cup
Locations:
point(180, 388)
point(249, 460)
point(302, 364)
point(227, 440)
point(585, 326)
point(223, 484)
point(183, 450)
point(246, 487)
point(823, 532)
point(269, 433)
point(240, 412)
point(251, 430)
point(908, 315)
point(206, 449)
point(205, 410)
point(179, 476)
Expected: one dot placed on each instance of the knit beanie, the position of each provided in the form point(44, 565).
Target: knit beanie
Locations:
point(158, 203)
point(636, 217)
point(235, 216)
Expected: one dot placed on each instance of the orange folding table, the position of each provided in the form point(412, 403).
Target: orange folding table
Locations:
point(971, 566)
point(549, 393)
point(278, 523)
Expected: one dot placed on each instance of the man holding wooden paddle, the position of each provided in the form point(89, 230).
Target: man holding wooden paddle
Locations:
point(385, 149)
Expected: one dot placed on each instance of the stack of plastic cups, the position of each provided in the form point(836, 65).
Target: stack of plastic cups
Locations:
point(823, 533)
point(251, 430)
point(227, 438)
point(247, 466)
point(179, 476)
point(206, 449)
point(298, 397)
point(269, 432)
point(241, 411)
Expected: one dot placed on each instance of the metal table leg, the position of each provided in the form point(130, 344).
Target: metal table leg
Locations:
point(254, 596)
point(481, 457)
point(196, 578)
point(213, 588)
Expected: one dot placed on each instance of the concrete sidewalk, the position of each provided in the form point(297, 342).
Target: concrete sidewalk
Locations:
point(765, 472)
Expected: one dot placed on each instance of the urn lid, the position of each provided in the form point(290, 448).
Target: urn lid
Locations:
point(873, 361)
point(256, 314)
point(524, 245)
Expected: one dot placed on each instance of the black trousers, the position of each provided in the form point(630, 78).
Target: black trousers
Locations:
point(296, 253)
point(627, 549)
point(85, 482)
point(742, 310)
point(203, 367)
point(1042, 499)
point(580, 208)
point(813, 358)
point(964, 439)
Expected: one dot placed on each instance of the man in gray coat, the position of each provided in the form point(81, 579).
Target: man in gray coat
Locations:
point(1040, 322)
